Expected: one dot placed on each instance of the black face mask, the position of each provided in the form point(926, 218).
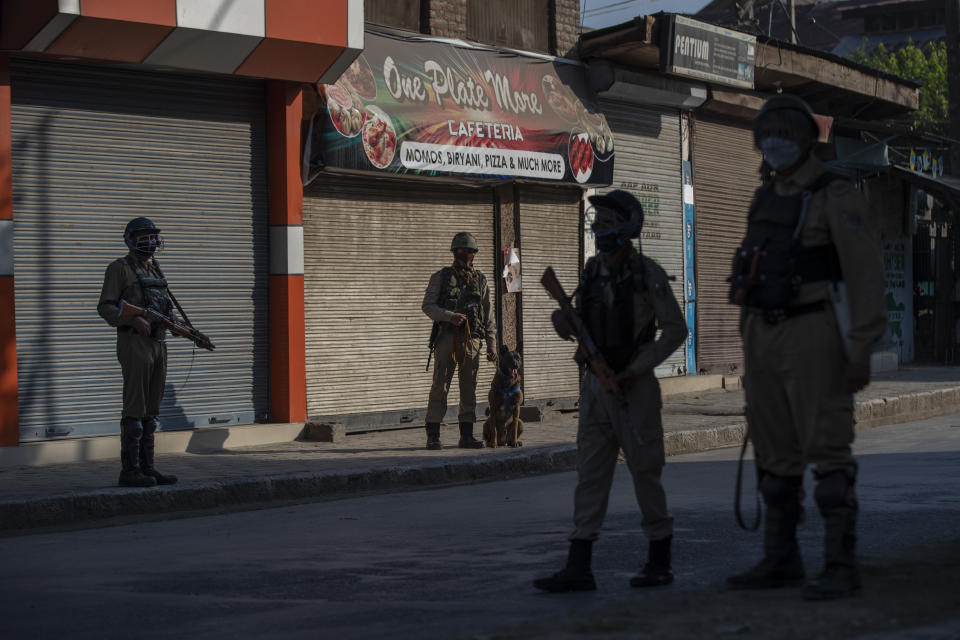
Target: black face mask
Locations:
point(609, 241)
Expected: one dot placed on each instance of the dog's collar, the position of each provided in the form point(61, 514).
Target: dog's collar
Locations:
point(508, 391)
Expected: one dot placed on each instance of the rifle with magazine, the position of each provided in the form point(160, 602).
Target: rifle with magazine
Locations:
point(176, 328)
point(587, 348)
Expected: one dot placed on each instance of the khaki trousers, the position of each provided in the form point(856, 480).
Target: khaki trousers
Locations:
point(606, 427)
point(144, 365)
point(467, 364)
point(798, 410)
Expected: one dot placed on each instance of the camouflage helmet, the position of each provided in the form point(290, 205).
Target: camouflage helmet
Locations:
point(464, 240)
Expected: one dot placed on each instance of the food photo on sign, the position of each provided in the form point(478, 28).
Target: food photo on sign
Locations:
point(411, 105)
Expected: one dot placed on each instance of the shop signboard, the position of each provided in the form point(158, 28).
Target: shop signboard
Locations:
point(410, 105)
point(695, 49)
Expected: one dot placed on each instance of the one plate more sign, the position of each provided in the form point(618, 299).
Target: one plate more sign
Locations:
point(706, 52)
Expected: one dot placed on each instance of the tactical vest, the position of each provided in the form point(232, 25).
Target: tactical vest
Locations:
point(155, 295)
point(612, 325)
point(462, 292)
point(770, 265)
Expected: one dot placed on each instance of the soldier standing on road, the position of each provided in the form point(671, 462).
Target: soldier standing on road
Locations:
point(808, 238)
point(141, 349)
point(623, 299)
point(458, 302)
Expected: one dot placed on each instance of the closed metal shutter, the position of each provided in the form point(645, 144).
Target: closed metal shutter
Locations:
point(92, 148)
point(370, 248)
point(648, 165)
point(549, 236)
point(725, 175)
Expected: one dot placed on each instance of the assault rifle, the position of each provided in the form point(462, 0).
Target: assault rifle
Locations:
point(432, 344)
point(176, 328)
point(587, 348)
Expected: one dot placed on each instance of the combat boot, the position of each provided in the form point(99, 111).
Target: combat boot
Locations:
point(147, 446)
point(837, 502)
point(467, 441)
point(576, 576)
point(130, 476)
point(782, 564)
point(656, 573)
point(433, 436)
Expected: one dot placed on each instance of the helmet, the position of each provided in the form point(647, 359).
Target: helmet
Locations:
point(786, 102)
point(146, 243)
point(464, 240)
point(628, 209)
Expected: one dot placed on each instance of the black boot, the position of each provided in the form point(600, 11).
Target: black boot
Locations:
point(433, 436)
point(147, 445)
point(467, 441)
point(837, 501)
point(130, 433)
point(656, 573)
point(576, 576)
point(782, 564)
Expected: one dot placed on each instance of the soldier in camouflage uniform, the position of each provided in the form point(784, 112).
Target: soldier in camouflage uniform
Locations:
point(458, 302)
point(141, 349)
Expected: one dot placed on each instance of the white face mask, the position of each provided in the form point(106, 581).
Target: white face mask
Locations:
point(780, 153)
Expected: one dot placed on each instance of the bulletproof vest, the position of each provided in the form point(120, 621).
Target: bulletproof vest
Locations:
point(770, 265)
point(154, 294)
point(611, 321)
point(462, 292)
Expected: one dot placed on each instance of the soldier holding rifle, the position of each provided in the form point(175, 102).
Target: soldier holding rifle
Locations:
point(136, 301)
point(623, 299)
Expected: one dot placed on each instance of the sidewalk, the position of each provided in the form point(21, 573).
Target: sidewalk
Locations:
point(396, 460)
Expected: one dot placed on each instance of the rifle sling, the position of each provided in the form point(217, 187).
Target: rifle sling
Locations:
point(173, 298)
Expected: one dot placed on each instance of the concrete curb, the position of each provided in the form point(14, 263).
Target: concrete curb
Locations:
point(76, 508)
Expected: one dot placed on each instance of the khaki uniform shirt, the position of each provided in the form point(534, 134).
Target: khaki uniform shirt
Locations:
point(437, 313)
point(121, 283)
point(839, 214)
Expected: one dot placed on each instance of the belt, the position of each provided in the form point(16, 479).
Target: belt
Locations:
point(776, 316)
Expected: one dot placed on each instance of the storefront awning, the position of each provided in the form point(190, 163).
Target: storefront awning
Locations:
point(296, 40)
point(944, 188)
point(447, 108)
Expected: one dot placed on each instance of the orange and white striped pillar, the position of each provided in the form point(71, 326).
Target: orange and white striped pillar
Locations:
point(288, 365)
point(9, 420)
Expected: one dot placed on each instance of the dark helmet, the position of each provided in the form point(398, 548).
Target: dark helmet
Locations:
point(791, 110)
point(144, 244)
point(464, 240)
point(628, 209)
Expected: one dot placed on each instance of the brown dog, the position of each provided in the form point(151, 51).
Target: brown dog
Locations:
point(504, 426)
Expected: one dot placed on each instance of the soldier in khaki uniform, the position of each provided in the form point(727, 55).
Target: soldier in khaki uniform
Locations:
point(623, 299)
point(809, 237)
point(458, 301)
point(141, 349)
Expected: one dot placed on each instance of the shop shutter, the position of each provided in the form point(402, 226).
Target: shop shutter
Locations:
point(725, 175)
point(370, 247)
point(647, 164)
point(549, 236)
point(94, 147)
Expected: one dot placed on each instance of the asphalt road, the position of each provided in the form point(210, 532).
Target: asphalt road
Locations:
point(457, 562)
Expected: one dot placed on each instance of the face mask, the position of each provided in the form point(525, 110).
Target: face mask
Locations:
point(608, 241)
point(780, 153)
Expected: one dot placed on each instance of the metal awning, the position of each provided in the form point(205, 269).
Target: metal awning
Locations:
point(944, 188)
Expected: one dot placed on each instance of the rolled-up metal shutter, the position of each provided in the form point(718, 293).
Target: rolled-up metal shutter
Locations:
point(647, 164)
point(549, 236)
point(725, 175)
point(369, 249)
point(94, 147)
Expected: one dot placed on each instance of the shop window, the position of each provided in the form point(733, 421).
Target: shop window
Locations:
point(871, 24)
point(390, 13)
point(926, 18)
point(508, 23)
point(906, 21)
point(889, 22)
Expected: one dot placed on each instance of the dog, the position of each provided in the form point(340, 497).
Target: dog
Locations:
point(504, 426)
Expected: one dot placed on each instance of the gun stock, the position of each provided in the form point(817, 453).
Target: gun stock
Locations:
point(587, 347)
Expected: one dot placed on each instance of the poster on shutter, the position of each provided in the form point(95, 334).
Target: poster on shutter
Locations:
point(412, 105)
point(511, 270)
